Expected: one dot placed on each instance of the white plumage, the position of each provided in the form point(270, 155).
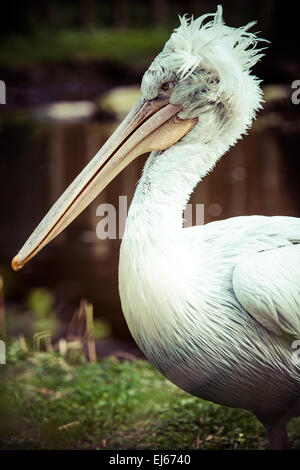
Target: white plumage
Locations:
point(215, 308)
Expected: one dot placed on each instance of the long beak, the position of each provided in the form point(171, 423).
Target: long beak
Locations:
point(150, 125)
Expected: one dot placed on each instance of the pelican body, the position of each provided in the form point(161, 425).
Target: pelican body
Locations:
point(214, 308)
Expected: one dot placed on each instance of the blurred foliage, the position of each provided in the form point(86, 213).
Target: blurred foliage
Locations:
point(100, 329)
point(46, 402)
point(43, 47)
point(40, 301)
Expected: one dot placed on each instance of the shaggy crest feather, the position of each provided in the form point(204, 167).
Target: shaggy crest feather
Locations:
point(210, 41)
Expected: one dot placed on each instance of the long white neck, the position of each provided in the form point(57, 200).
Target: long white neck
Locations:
point(164, 189)
point(156, 263)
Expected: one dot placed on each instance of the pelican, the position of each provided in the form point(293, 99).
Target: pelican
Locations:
point(215, 308)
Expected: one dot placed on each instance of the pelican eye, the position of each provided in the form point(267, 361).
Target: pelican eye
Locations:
point(166, 86)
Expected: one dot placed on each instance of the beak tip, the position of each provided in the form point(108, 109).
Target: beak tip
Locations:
point(16, 264)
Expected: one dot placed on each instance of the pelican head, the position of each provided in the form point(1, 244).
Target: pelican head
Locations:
point(205, 67)
point(198, 89)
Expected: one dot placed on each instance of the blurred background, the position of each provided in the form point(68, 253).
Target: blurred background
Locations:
point(72, 71)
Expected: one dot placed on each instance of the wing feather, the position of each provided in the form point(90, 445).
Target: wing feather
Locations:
point(267, 285)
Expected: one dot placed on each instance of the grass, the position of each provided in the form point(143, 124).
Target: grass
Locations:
point(53, 402)
point(43, 47)
point(60, 398)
